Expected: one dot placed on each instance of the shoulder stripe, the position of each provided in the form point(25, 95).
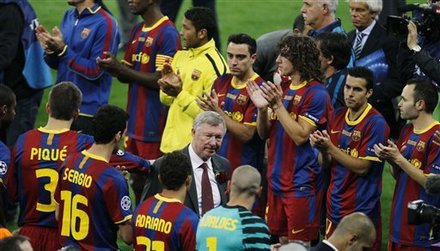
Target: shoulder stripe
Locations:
point(214, 65)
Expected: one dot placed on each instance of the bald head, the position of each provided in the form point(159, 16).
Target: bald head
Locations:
point(245, 181)
point(360, 226)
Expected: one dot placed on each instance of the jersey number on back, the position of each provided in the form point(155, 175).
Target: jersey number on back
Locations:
point(150, 245)
point(49, 187)
point(75, 221)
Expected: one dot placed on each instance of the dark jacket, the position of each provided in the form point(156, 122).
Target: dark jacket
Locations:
point(153, 186)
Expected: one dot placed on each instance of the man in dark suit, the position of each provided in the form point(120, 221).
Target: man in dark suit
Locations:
point(207, 131)
point(376, 50)
point(356, 232)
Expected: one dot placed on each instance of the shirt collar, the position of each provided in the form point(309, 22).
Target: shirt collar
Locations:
point(367, 30)
point(330, 245)
point(202, 49)
point(328, 28)
point(89, 11)
point(196, 161)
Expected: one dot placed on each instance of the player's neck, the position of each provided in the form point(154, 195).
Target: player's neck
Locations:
point(354, 114)
point(423, 121)
point(241, 201)
point(102, 150)
point(152, 16)
point(326, 21)
point(329, 71)
point(57, 124)
point(245, 77)
point(296, 79)
point(83, 5)
point(171, 194)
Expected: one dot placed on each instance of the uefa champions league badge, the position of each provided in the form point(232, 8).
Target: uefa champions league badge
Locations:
point(126, 203)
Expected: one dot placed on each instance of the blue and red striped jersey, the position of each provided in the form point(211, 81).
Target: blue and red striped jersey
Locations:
point(93, 199)
point(164, 224)
point(149, 49)
point(293, 170)
point(33, 173)
point(236, 103)
point(423, 153)
point(349, 192)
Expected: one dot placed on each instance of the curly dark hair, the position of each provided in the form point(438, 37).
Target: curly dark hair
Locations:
point(174, 169)
point(303, 53)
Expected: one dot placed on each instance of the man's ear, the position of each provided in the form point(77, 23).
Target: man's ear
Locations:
point(160, 180)
point(202, 34)
point(353, 239)
point(3, 110)
point(420, 105)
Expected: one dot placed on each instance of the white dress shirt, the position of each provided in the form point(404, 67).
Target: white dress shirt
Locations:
point(367, 32)
point(330, 245)
point(196, 162)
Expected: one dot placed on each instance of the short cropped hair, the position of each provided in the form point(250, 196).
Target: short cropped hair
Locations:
point(202, 18)
point(174, 169)
point(364, 73)
point(209, 117)
point(303, 53)
point(108, 121)
point(336, 45)
point(7, 96)
point(374, 6)
point(331, 4)
point(426, 91)
point(244, 39)
point(64, 100)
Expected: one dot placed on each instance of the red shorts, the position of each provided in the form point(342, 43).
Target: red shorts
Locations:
point(42, 238)
point(330, 228)
point(392, 246)
point(146, 150)
point(296, 218)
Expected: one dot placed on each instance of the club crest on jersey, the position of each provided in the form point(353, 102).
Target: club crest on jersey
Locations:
point(356, 136)
point(195, 75)
point(354, 153)
point(241, 99)
point(237, 116)
point(297, 99)
point(85, 33)
point(149, 41)
point(420, 146)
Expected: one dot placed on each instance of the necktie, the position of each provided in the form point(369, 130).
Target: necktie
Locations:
point(207, 198)
point(358, 44)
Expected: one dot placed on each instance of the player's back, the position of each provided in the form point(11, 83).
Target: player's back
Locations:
point(165, 223)
point(232, 228)
point(93, 199)
point(33, 175)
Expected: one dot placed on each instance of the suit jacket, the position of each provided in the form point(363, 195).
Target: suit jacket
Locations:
point(152, 185)
point(392, 86)
point(322, 246)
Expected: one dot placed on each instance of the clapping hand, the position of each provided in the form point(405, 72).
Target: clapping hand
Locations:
point(170, 82)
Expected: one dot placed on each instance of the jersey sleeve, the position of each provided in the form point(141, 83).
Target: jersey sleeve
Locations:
point(130, 162)
point(256, 233)
point(117, 197)
point(433, 160)
point(377, 132)
point(169, 44)
point(316, 107)
point(11, 174)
